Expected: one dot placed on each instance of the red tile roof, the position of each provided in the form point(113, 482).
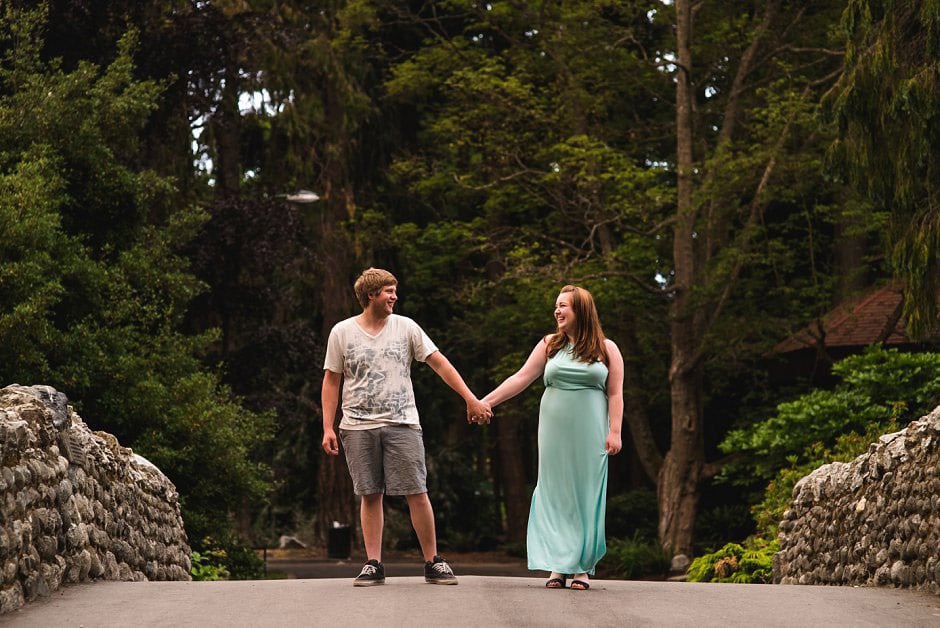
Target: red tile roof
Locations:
point(859, 322)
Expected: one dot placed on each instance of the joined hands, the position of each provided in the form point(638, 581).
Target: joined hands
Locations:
point(479, 412)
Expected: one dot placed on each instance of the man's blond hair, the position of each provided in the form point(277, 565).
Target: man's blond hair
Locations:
point(370, 282)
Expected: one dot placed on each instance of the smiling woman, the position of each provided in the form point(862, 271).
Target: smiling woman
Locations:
point(579, 426)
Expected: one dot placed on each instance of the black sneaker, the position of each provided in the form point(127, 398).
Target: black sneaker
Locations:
point(373, 572)
point(437, 571)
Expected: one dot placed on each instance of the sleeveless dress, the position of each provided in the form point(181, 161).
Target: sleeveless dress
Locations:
point(566, 518)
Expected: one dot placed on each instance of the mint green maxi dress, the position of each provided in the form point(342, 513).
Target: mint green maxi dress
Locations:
point(566, 518)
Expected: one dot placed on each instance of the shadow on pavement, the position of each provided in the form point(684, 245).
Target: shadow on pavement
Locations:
point(312, 564)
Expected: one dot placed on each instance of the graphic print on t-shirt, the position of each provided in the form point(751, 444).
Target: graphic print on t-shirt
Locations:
point(386, 375)
point(377, 371)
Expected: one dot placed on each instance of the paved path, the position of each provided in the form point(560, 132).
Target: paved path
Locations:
point(477, 601)
point(394, 566)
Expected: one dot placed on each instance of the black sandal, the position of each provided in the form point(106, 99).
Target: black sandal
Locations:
point(582, 585)
point(553, 581)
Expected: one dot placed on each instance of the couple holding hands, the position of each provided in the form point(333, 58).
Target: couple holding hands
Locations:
point(580, 420)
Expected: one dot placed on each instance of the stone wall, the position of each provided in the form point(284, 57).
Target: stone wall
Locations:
point(75, 505)
point(873, 521)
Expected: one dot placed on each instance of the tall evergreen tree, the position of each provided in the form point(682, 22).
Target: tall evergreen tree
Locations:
point(887, 104)
point(95, 288)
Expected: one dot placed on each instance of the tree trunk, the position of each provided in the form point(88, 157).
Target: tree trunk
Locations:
point(678, 479)
point(512, 478)
point(334, 269)
point(850, 260)
point(335, 498)
point(637, 420)
point(227, 123)
point(678, 488)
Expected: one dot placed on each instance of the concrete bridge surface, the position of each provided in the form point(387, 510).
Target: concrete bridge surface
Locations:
point(479, 601)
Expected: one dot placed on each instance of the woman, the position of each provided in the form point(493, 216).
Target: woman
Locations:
point(580, 419)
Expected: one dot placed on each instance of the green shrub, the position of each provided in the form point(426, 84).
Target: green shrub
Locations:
point(715, 525)
point(209, 565)
point(750, 563)
point(632, 513)
point(879, 387)
point(880, 390)
point(225, 559)
point(635, 558)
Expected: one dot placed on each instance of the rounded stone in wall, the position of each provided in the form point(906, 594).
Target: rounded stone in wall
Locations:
point(52, 573)
point(55, 525)
point(96, 568)
point(10, 570)
point(29, 562)
point(47, 546)
point(901, 573)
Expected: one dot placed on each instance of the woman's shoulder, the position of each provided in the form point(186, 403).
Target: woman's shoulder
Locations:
point(613, 351)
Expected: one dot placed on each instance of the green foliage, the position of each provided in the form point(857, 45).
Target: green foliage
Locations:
point(880, 389)
point(716, 524)
point(779, 492)
point(464, 505)
point(633, 550)
point(633, 513)
point(209, 566)
point(878, 386)
point(634, 558)
point(887, 106)
point(751, 563)
point(94, 288)
point(225, 558)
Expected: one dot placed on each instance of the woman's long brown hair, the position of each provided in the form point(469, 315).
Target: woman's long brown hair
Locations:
point(587, 336)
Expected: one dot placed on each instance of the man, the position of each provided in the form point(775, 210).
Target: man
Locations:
point(372, 354)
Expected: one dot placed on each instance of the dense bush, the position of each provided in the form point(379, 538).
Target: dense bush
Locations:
point(750, 563)
point(632, 513)
point(633, 551)
point(880, 390)
point(225, 558)
point(635, 558)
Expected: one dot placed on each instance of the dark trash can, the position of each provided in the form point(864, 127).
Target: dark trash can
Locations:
point(339, 541)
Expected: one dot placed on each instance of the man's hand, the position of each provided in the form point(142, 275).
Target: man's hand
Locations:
point(330, 445)
point(479, 412)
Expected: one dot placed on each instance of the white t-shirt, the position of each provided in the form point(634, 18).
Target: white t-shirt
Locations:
point(376, 371)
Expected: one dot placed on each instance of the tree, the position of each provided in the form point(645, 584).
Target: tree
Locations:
point(525, 182)
point(564, 175)
point(95, 288)
point(717, 225)
point(886, 104)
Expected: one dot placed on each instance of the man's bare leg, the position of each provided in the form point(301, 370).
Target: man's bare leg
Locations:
point(372, 518)
point(422, 518)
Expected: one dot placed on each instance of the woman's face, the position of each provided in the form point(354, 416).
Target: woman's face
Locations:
point(564, 315)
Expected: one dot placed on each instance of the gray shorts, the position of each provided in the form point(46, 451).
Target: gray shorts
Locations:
point(387, 459)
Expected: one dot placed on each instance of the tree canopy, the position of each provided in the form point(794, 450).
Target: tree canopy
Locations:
point(715, 174)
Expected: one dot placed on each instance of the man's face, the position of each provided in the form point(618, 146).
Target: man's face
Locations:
point(383, 302)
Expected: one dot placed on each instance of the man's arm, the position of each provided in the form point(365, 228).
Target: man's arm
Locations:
point(329, 397)
point(446, 371)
